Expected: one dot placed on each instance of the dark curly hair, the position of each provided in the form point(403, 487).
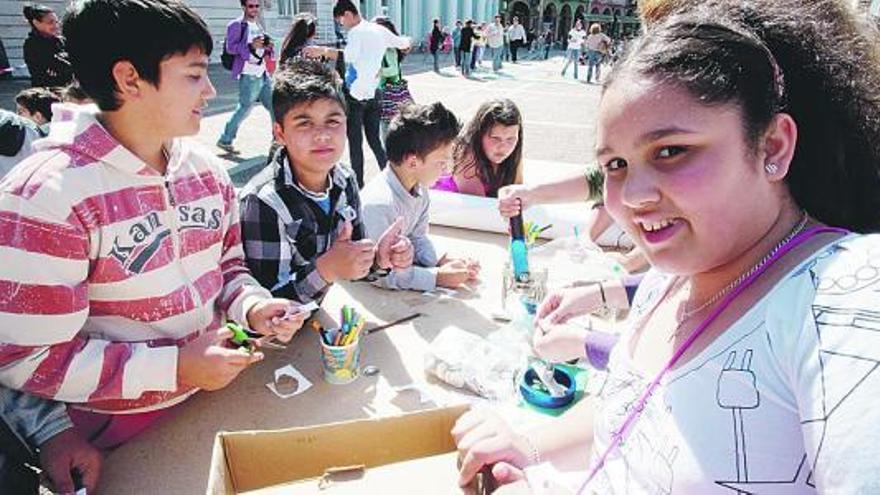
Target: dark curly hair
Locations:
point(728, 51)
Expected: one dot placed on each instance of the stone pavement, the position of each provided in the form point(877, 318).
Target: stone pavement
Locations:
point(558, 112)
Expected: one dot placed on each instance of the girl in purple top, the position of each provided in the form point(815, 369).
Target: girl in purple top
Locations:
point(488, 154)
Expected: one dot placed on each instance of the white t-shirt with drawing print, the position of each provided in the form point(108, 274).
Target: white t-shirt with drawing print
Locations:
point(784, 401)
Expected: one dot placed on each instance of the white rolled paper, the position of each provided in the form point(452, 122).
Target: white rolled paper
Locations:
point(480, 213)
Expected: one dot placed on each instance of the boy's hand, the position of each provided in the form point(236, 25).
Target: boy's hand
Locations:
point(513, 199)
point(346, 259)
point(473, 265)
point(393, 249)
point(452, 274)
point(265, 318)
point(66, 452)
point(206, 363)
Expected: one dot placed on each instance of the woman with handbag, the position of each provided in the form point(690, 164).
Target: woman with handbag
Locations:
point(392, 86)
point(748, 362)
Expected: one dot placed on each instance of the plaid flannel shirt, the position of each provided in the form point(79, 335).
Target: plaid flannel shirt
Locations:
point(284, 231)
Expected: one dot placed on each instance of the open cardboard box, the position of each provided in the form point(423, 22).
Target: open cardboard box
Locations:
point(411, 453)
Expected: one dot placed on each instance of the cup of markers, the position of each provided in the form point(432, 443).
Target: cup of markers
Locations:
point(341, 348)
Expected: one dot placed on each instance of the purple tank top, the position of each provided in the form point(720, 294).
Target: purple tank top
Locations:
point(445, 183)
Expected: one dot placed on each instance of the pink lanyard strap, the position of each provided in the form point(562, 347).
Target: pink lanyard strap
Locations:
point(618, 436)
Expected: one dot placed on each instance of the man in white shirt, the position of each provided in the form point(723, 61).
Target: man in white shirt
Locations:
point(495, 41)
point(517, 35)
point(363, 53)
point(247, 41)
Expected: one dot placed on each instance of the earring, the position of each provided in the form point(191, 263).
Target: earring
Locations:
point(771, 168)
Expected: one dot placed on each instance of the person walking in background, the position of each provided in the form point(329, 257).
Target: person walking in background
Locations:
point(391, 81)
point(467, 43)
point(479, 45)
point(366, 48)
point(44, 50)
point(248, 42)
point(517, 35)
point(596, 45)
point(302, 33)
point(548, 43)
point(505, 54)
point(456, 43)
point(573, 51)
point(435, 43)
point(495, 41)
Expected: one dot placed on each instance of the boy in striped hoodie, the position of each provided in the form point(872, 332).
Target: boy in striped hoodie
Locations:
point(120, 241)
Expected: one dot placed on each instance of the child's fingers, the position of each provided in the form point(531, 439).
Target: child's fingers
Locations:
point(345, 233)
point(222, 334)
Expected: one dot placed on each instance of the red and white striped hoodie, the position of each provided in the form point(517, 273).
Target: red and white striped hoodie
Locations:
point(107, 266)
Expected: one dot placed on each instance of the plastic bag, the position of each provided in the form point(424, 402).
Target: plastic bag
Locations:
point(468, 361)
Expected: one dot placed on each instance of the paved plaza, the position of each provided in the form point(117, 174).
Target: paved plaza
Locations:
point(558, 112)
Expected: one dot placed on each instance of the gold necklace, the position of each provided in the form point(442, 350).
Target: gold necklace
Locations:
point(686, 314)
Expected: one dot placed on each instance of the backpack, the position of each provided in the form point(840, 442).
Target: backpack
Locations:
point(226, 58)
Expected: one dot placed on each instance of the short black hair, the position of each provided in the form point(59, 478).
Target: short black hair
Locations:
point(419, 130)
point(73, 92)
point(304, 81)
point(343, 6)
point(38, 100)
point(100, 33)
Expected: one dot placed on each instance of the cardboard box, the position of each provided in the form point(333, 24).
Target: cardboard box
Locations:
point(411, 453)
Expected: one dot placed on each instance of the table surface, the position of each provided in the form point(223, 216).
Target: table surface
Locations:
point(174, 456)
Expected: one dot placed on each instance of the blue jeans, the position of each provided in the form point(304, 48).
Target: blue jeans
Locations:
point(436, 55)
point(250, 89)
point(572, 55)
point(497, 53)
point(594, 59)
point(466, 63)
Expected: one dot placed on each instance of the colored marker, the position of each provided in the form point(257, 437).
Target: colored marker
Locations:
point(518, 250)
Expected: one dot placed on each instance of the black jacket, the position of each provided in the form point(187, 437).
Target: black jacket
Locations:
point(47, 61)
point(436, 40)
point(467, 38)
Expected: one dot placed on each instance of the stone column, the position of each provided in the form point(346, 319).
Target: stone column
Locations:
point(467, 10)
point(394, 12)
point(451, 13)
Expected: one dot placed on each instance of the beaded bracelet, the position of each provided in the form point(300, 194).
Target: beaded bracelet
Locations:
point(535, 456)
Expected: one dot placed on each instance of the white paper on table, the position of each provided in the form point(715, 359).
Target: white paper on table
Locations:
point(303, 382)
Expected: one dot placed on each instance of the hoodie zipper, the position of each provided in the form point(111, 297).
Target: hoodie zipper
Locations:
point(175, 241)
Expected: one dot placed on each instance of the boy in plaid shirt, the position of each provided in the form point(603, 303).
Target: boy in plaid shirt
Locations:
point(301, 216)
